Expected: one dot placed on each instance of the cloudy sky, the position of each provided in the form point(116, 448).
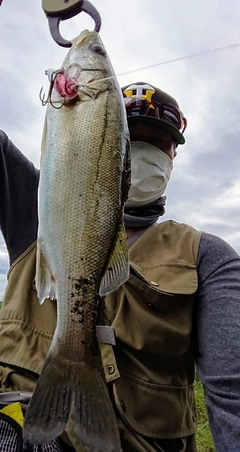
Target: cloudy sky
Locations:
point(205, 187)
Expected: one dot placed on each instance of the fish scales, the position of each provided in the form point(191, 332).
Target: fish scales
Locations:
point(82, 249)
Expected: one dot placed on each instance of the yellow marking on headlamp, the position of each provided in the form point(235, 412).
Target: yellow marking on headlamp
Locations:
point(140, 92)
point(149, 94)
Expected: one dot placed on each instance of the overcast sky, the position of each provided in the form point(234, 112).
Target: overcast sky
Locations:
point(204, 190)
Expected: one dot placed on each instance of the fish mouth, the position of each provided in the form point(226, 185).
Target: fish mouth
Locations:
point(81, 39)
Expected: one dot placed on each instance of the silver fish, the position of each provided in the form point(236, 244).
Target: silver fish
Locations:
point(81, 251)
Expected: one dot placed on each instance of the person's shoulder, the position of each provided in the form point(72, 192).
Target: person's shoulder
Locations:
point(216, 247)
point(6, 145)
point(179, 236)
point(172, 227)
point(173, 224)
point(214, 255)
point(3, 136)
point(14, 158)
point(210, 244)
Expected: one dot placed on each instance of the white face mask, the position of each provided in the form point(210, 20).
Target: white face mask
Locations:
point(150, 172)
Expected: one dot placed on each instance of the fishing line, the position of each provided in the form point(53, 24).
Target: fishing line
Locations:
point(204, 52)
point(193, 55)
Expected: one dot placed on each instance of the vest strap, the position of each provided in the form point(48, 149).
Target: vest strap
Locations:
point(106, 334)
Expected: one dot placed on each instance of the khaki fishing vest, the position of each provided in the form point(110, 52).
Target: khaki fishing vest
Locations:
point(152, 315)
point(151, 368)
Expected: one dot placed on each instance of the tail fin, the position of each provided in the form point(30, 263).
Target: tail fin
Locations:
point(48, 412)
point(64, 395)
point(93, 420)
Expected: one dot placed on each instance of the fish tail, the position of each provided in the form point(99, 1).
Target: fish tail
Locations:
point(49, 409)
point(93, 421)
point(75, 401)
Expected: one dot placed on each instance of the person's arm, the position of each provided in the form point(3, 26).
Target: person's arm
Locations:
point(18, 198)
point(217, 320)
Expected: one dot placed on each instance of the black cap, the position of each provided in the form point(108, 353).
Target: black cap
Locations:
point(171, 118)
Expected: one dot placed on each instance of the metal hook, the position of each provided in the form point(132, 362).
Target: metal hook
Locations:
point(71, 8)
point(48, 99)
point(42, 97)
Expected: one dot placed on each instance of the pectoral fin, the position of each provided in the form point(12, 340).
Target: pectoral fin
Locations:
point(117, 270)
point(45, 280)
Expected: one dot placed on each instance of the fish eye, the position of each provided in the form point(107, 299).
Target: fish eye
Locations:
point(98, 49)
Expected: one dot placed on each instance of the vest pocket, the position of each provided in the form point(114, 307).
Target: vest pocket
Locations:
point(169, 445)
point(156, 411)
point(152, 321)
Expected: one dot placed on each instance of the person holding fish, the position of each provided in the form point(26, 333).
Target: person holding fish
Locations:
point(131, 304)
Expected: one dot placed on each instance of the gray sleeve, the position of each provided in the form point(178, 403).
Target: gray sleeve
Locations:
point(18, 198)
point(217, 320)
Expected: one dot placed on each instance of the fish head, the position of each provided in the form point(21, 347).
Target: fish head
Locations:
point(86, 69)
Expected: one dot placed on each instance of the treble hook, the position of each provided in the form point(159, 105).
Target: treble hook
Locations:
point(48, 100)
point(70, 8)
